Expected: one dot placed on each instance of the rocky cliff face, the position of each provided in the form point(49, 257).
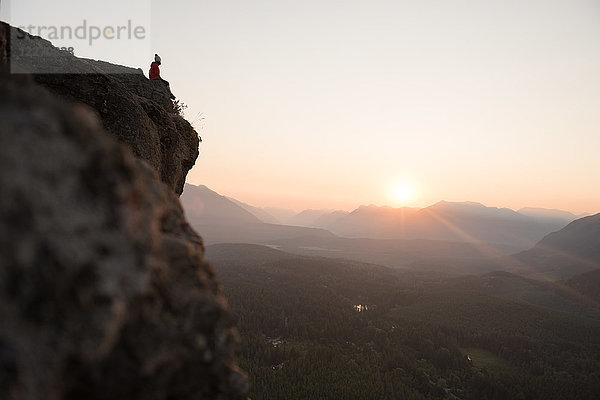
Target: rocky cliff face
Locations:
point(104, 291)
point(137, 111)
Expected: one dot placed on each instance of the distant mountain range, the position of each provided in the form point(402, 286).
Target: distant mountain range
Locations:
point(262, 214)
point(308, 218)
point(316, 218)
point(223, 220)
point(210, 208)
point(452, 237)
point(460, 222)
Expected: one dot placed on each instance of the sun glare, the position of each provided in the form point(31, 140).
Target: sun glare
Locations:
point(403, 193)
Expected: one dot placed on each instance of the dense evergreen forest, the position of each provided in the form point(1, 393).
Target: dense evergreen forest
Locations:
point(318, 328)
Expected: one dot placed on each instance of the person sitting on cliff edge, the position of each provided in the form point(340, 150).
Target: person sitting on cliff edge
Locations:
point(155, 74)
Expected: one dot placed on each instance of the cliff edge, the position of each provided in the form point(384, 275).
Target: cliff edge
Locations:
point(136, 110)
point(104, 290)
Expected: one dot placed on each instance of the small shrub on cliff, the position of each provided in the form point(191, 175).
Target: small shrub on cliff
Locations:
point(179, 107)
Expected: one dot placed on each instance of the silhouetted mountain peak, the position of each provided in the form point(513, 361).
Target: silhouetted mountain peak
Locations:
point(583, 233)
point(209, 207)
point(569, 251)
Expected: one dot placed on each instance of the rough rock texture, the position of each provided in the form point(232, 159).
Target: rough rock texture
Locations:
point(104, 291)
point(136, 110)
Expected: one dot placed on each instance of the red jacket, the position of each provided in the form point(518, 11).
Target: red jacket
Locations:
point(154, 71)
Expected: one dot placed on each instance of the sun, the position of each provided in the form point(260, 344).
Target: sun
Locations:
point(403, 193)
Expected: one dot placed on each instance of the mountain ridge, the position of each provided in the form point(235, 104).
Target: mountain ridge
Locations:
point(573, 250)
point(221, 220)
point(463, 222)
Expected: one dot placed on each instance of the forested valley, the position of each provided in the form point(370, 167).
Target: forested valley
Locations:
point(318, 328)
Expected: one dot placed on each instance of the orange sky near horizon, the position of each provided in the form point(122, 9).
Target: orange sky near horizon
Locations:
point(331, 104)
point(334, 104)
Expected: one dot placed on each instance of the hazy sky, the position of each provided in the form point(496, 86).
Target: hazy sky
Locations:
point(333, 104)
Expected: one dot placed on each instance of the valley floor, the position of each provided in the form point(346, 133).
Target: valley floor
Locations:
point(423, 336)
